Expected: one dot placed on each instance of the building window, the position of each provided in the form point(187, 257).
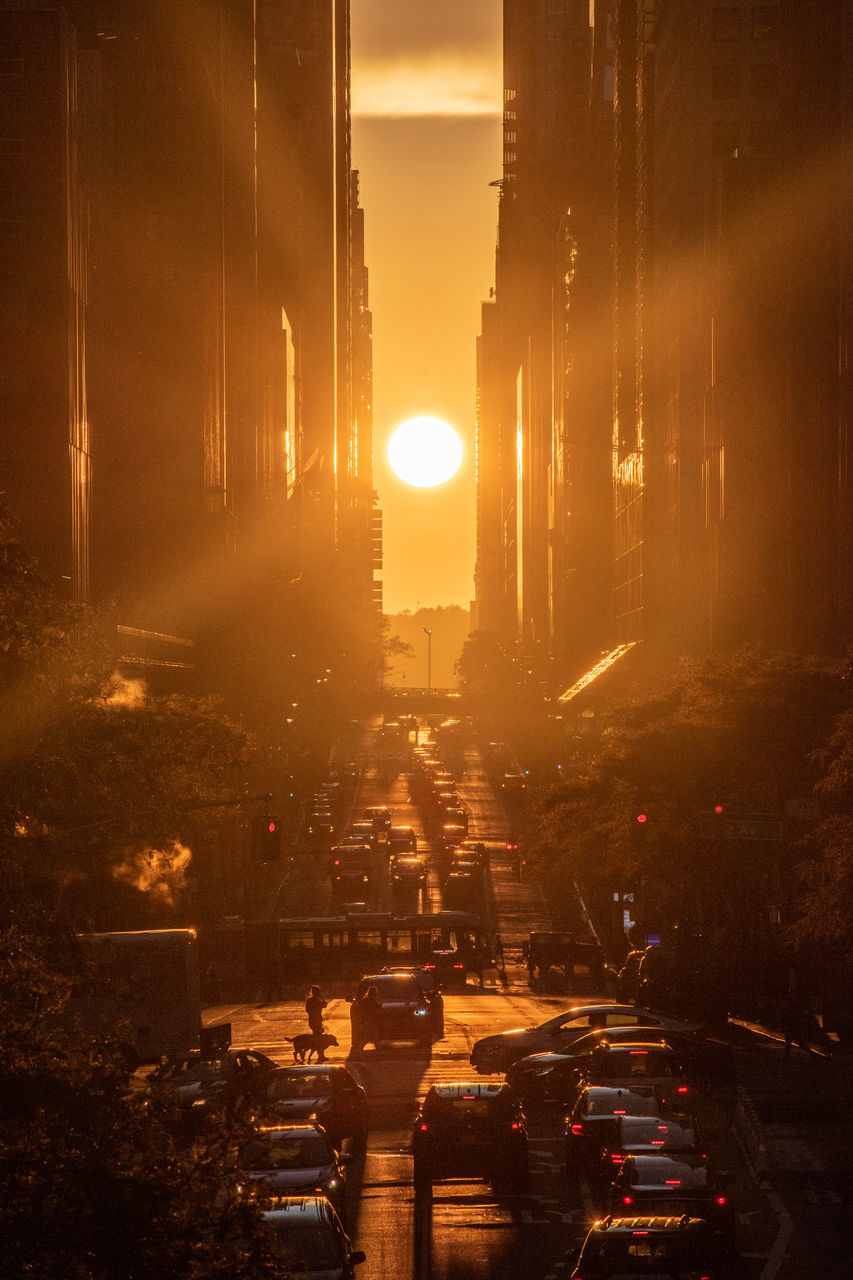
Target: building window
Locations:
point(725, 80)
point(765, 22)
point(725, 140)
point(726, 24)
point(764, 80)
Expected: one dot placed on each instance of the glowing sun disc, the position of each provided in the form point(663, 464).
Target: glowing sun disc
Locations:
point(425, 452)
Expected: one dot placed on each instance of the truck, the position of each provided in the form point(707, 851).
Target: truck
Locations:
point(143, 988)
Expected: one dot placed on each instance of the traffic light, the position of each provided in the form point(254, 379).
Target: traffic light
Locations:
point(639, 827)
point(265, 839)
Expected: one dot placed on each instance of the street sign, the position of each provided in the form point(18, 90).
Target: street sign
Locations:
point(758, 826)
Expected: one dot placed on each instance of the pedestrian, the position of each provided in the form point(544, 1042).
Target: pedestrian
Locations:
point(314, 1007)
point(499, 952)
point(364, 1013)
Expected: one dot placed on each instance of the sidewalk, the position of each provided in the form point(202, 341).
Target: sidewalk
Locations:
point(795, 1113)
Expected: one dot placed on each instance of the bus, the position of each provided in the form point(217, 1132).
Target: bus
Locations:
point(315, 948)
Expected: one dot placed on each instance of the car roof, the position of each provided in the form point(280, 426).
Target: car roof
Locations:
point(467, 1089)
point(645, 1223)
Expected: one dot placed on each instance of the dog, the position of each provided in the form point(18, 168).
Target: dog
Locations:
point(308, 1044)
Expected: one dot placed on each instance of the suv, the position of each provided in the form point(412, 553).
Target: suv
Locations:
point(404, 1011)
point(470, 1130)
point(631, 1065)
point(351, 869)
point(675, 1184)
point(312, 1239)
point(681, 1248)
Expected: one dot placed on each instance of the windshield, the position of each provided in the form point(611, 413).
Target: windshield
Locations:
point(311, 1084)
point(392, 986)
point(287, 1151)
point(308, 1246)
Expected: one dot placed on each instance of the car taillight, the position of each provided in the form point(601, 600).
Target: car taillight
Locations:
point(720, 1200)
point(577, 1130)
point(683, 1088)
point(422, 1128)
point(515, 1125)
point(616, 1157)
point(673, 1182)
point(629, 1200)
point(459, 966)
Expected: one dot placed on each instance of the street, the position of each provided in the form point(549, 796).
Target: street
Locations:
point(790, 1224)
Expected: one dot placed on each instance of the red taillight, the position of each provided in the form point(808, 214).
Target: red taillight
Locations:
point(683, 1088)
point(459, 966)
point(616, 1157)
point(515, 1125)
point(469, 1097)
point(673, 1182)
point(422, 1128)
point(637, 1233)
point(577, 1130)
point(630, 1200)
point(720, 1200)
point(337, 862)
point(637, 1053)
point(620, 1113)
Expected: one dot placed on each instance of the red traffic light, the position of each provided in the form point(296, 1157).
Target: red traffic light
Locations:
point(641, 818)
point(272, 826)
point(718, 809)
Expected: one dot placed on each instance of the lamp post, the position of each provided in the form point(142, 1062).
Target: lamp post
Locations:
point(428, 633)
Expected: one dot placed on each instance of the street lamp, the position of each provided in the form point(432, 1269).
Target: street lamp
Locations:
point(428, 633)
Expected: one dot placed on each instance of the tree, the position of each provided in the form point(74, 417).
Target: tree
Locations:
point(100, 782)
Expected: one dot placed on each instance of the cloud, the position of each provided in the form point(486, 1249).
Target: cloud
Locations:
point(446, 85)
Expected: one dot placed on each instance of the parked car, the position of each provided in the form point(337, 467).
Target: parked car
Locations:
point(312, 1239)
point(496, 1052)
point(322, 1094)
point(679, 1248)
point(204, 1084)
point(470, 1130)
point(594, 1117)
point(295, 1160)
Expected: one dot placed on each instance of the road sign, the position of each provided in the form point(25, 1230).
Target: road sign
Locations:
point(758, 826)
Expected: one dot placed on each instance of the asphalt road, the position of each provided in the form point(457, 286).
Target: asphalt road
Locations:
point(793, 1214)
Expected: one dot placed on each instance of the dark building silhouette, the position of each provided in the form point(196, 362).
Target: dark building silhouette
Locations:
point(185, 407)
point(683, 468)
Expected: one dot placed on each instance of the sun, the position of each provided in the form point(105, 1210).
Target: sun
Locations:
point(425, 452)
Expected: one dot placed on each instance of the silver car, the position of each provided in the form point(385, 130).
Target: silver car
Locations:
point(497, 1052)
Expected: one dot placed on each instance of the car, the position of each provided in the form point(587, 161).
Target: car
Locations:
point(470, 1130)
point(555, 1075)
point(677, 1248)
point(312, 1239)
point(360, 833)
point(666, 1134)
point(593, 1120)
point(450, 836)
point(463, 889)
point(632, 1063)
point(320, 1094)
point(672, 1186)
point(513, 787)
point(206, 1083)
point(404, 1012)
point(477, 851)
point(379, 815)
point(448, 967)
point(628, 977)
point(295, 1160)
point(408, 872)
point(402, 840)
point(350, 870)
point(496, 1052)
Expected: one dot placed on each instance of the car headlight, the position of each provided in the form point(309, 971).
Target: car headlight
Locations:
point(420, 1013)
point(331, 1184)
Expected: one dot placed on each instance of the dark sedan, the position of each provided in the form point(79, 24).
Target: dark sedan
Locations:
point(326, 1095)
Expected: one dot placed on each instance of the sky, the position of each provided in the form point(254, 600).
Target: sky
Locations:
point(426, 139)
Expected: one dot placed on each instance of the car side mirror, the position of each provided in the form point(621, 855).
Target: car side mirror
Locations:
point(346, 1157)
point(357, 1255)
